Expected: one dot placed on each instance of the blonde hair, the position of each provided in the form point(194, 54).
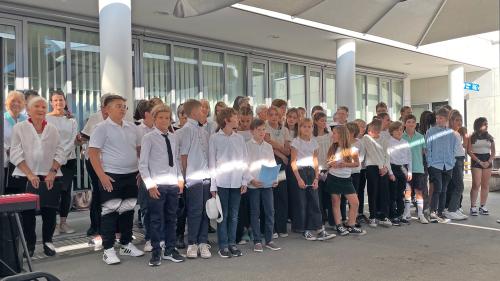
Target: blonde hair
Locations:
point(14, 95)
point(302, 123)
point(344, 144)
point(159, 108)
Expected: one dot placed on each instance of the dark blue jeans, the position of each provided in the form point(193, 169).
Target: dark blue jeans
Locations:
point(143, 202)
point(440, 179)
point(197, 194)
point(163, 211)
point(256, 197)
point(230, 202)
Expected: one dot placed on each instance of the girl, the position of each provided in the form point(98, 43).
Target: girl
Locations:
point(292, 119)
point(481, 149)
point(354, 131)
point(362, 173)
point(341, 159)
point(306, 170)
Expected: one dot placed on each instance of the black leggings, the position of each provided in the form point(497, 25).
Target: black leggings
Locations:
point(95, 204)
point(69, 171)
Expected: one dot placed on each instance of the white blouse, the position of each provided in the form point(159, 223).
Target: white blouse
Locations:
point(68, 129)
point(324, 142)
point(305, 151)
point(37, 150)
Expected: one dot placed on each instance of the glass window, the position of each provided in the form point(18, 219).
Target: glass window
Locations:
point(314, 89)
point(397, 98)
point(186, 74)
point(360, 97)
point(46, 58)
point(278, 81)
point(258, 83)
point(8, 49)
point(156, 71)
point(85, 74)
point(372, 96)
point(297, 86)
point(213, 77)
point(236, 77)
point(330, 93)
point(384, 91)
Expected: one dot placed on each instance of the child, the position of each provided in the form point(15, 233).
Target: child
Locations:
point(441, 145)
point(292, 122)
point(194, 163)
point(401, 166)
point(260, 153)
point(386, 122)
point(245, 115)
point(381, 107)
point(361, 184)
point(418, 181)
point(113, 151)
point(163, 179)
point(306, 170)
point(229, 170)
point(261, 112)
point(378, 168)
point(301, 113)
point(341, 159)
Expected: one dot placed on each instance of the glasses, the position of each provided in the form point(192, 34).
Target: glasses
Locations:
point(118, 106)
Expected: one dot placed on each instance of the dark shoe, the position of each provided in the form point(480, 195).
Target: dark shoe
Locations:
point(235, 252)
point(355, 231)
point(173, 255)
point(404, 221)
point(224, 253)
point(211, 229)
point(155, 258)
point(31, 253)
point(396, 222)
point(180, 244)
point(49, 249)
point(342, 230)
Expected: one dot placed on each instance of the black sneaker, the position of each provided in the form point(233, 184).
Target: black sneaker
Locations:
point(235, 252)
point(323, 236)
point(355, 231)
point(49, 249)
point(155, 258)
point(180, 244)
point(224, 253)
point(396, 222)
point(342, 230)
point(404, 221)
point(173, 255)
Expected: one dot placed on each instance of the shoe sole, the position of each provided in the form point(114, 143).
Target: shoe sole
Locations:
point(111, 263)
point(326, 238)
point(192, 257)
point(167, 258)
point(224, 257)
point(130, 255)
point(154, 264)
point(259, 251)
point(272, 249)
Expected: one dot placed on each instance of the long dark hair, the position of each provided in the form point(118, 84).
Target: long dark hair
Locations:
point(478, 135)
point(316, 118)
point(296, 126)
point(427, 120)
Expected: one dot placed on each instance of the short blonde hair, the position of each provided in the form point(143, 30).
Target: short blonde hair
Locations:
point(12, 95)
point(161, 108)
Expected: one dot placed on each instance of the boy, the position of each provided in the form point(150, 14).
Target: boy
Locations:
point(340, 117)
point(113, 151)
point(441, 146)
point(401, 166)
point(163, 179)
point(229, 170)
point(386, 122)
point(194, 164)
point(260, 153)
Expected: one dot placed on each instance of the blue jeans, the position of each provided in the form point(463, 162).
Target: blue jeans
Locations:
point(197, 194)
point(257, 196)
point(163, 211)
point(226, 230)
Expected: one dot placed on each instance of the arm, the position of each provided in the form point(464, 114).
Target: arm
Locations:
point(316, 169)
point(295, 169)
point(95, 160)
point(212, 160)
point(17, 157)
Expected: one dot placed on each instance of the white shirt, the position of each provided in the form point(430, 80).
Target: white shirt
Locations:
point(481, 146)
point(7, 133)
point(400, 152)
point(144, 129)
point(324, 143)
point(210, 127)
point(385, 134)
point(153, 163)
point(460, 150)
point(89, 127)
point(259, 154)
point(118, 145)
point(68, 129)
point(247, 135)
point(228, 158)
point(194, 143)
point(361, 154)
point(305, 151)
point(342, 172)
point(37, 150)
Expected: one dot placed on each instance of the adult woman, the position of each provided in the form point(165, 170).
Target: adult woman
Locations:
point(14, 105)
point(481, 150)
point(61, 118)
point(38, 154)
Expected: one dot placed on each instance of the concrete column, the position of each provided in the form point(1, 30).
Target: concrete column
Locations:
point(407, 91)
point(115, 35)
point(456, 87)
point(345, 80)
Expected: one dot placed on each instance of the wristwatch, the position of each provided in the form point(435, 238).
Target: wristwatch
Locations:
point(53, 170)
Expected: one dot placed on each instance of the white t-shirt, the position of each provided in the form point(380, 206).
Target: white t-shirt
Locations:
point(324, 143)
point(342, 172)
point(305, 151)
point(68, 129)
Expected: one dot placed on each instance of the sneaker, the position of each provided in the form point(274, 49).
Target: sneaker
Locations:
point(109, 256)
point(342, 230)
point(245, 236)
point(179, 244)
point(385, 222)
point(456, 216)
point(309, 236)
point(498, 220)
point(435, 218)
point(258, 248)
point(57, 230)
point(372, 223)
point(148, 247)
point(155, 258)
point(204, 250)
point(242, 242)
point(396, 222)
point(361, 218)
point(235, 251)
point(192, 251)
point(49, 249)
point(461, 213)
point(283, 235)
point(323, 236)
point(173, 255)
point(404, 220)
point(422, 219)
point(64, 228)
point(484, 211)
point(275, 235)
point(130, 250)
point(474, 212)
point(224, 253)
point(443, 219)
point(271, 246)
point(355, 231)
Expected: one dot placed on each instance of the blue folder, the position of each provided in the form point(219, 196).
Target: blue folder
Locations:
point(269, 175)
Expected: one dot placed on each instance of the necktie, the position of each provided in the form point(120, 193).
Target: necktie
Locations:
point(169, 149)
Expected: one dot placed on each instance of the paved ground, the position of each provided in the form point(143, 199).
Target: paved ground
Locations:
point(466, 251)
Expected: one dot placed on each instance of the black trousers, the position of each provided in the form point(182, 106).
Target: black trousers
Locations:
point(243, 216)
point(68, 170)
point(280, 196)
point(359, 182)
point(397, 189)
point(325, 201)
point(95, 204)
point(378, 193)
point(181, 216)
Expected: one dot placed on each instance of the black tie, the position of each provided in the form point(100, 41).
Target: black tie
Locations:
point(169, 149)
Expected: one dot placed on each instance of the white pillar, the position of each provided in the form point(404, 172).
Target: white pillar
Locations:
point(115, 35)
point(345, 80)
point(407, 91)
point(456, 87)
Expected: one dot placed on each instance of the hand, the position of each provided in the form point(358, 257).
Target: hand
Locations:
point(138, 179)
point(49, 179)
point(106, 182)
point(214, 193)
point(181, 187)
point(243, 189)
point(392, 177)
point(301, 183)
point(332, 164)
point(34, 180)
point(257, 183)
point(485, 165)
point(315, 184)
point(275, 184)
point(409, 177)
point(383, 171)
point(154, 193)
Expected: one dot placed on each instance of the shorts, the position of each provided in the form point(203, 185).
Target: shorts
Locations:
point(340, 186)
point(482, 157)
point(418, 181)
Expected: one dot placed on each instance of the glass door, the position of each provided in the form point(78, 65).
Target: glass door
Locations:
point(258, 89)
point(329, 92)
point(315, 89)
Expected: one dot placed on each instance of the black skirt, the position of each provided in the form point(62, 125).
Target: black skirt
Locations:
point(340, 186)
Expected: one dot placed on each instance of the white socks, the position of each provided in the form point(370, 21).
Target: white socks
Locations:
point(406, 213)
point(420, 207)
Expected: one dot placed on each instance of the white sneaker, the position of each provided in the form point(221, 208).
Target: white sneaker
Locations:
point(64, 228)
point(148, 247)
point(474, 212)
point(436, 218)
point(461, 213)
point(422, 219)
point(130, 250)
point(386, 222)
point(372, 223)
point(453, 216)
point(275, 235)
point(109, 256)
point(192, 251)
point(205, 251)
